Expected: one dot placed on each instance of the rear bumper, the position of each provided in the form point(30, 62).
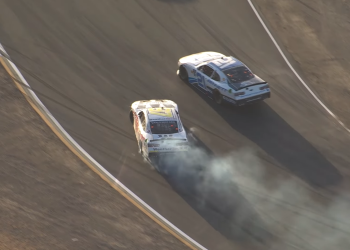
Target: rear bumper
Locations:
point(168, 150)
point(249, 100)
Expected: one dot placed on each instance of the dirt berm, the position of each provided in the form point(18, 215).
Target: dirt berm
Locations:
point(51, 200)
point(316, 34)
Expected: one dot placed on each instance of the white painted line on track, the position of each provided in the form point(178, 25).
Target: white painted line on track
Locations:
point(292, 68)
point(16, 74)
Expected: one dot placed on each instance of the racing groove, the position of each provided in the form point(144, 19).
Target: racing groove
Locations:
point(88, 61)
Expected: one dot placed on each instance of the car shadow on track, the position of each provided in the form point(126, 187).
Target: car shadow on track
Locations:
point(216, 198)
point(263, 126)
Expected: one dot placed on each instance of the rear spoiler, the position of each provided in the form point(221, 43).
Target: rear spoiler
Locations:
point(252, 85)
point(173, 139)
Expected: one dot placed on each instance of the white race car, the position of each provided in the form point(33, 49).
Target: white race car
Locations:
point(223, 78)
point(158, 128)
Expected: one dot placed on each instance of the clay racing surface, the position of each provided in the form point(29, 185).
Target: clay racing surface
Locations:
point(274, 175)
point(316, 35)
point(51, 200)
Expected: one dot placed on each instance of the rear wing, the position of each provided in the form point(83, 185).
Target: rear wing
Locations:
point(167, 139)
point(253, 84)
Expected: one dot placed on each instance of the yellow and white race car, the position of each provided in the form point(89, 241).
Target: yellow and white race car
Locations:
point(158, 128)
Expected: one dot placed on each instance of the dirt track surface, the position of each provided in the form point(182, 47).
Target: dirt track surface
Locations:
point(51, 200)
point(316, 33)
point(282, 179)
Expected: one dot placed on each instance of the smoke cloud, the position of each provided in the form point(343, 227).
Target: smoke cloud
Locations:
point(246, 200)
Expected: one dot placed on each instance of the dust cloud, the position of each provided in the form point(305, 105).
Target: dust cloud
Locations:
point(241, 198)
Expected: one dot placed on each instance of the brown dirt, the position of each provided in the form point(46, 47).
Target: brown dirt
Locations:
point(51, 200)
point(316, 34)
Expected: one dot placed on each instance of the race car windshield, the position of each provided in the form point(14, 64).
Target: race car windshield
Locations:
point(164, 127)
point(238, 75)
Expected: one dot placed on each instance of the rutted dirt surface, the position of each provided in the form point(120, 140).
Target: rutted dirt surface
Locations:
point(316, 33)
point(88, 61)
point(51, 200)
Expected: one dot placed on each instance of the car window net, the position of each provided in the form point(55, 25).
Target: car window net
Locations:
point(208, 71)
point(216, 77)
point(238, 74)
point(164, 127)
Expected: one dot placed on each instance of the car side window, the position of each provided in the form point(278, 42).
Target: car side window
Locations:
point(216, 77)
point(207, 70)
point(200, 68)
point(144, 124)
point(143, 120)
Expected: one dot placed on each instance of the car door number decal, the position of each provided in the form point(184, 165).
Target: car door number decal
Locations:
point(200, 80)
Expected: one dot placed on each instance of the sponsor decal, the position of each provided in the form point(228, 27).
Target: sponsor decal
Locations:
point(165, 135)
point(169, 149)
point(254, 99)
point(200, 80)
point(217, 86)
point(160, 112)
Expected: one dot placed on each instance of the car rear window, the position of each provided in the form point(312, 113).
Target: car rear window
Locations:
point(164, 127)
point(238, 74)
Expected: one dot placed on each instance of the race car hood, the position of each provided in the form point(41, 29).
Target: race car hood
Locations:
point(199, 58)
point(244, 84)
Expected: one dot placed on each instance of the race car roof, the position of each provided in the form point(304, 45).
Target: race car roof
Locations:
point(226, 63)
point(161, 114)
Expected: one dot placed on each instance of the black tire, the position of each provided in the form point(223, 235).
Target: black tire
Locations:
point(183, 74)
point(217, 96)
point(131, 117)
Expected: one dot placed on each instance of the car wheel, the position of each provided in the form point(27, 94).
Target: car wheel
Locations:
point(131, 117)
point(183, 74)
point(217, 97)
